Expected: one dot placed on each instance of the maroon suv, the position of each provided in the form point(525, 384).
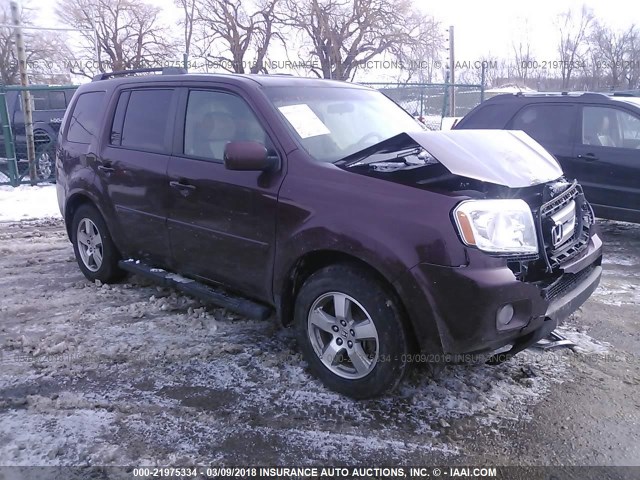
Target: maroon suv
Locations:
point(325, 204)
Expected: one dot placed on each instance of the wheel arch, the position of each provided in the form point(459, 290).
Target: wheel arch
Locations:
point(313, 261)
point(74, 202)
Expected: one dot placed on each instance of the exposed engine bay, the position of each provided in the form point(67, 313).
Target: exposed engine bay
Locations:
point(562, 216)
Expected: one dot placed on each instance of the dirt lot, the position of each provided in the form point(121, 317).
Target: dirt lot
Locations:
point(134, 374)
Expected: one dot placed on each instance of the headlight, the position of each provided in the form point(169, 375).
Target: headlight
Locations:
point(497, 226)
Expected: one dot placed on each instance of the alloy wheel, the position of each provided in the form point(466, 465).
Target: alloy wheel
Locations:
point(90, 244)
point(343, 335)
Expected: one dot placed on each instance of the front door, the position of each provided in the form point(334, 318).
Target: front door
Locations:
point(222, 222)
point(607, 160)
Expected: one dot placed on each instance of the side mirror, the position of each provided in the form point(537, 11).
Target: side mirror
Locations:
point(248, 156)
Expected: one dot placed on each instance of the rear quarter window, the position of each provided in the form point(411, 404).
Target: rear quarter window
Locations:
point(548, 124)
point(83, 122)
point(487, 116)
point(146, 120)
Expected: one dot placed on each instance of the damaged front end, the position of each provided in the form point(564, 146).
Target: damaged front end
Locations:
point(533, 251)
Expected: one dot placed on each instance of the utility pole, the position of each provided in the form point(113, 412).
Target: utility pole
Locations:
point(26, 95)
point(452, 75)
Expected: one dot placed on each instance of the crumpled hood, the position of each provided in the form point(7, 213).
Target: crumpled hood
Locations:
point(504, 157)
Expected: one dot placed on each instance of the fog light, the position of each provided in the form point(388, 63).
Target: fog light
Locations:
point(504, 315)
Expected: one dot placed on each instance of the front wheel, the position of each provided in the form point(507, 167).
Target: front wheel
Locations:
point(351, 331)
point(95, 252)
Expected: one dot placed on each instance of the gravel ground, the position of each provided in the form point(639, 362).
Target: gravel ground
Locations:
point(134, 374)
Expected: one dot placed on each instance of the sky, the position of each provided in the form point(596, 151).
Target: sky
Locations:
point(490, 27)
point(482, 28)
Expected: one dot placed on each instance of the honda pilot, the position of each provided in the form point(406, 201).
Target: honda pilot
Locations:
point(327, 206)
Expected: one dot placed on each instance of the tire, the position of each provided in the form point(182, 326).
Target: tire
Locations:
point(45, 165)
point(95, 251)
point(367, 356)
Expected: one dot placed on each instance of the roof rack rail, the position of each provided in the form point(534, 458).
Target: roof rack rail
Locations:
point(558, 94)
point(124, 73)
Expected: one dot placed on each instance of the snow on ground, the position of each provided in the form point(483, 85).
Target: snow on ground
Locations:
point(138, 374)
point(27, 202)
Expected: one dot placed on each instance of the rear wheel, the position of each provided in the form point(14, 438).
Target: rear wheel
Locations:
point(95, 252)
point(45, 167)
point(45, 155)
point(351, 331)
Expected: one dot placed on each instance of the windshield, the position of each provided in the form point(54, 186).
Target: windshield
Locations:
point(333, 123)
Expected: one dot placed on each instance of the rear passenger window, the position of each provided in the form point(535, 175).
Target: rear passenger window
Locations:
point(40, 100)
point(489, 116)
point(146, 120)
point(82, 124)
point(547, 124)
point(57, 100)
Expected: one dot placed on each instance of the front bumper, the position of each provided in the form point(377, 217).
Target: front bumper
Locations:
point(454, 309)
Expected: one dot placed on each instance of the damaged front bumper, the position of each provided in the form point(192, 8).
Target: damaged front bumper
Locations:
point(462, 310)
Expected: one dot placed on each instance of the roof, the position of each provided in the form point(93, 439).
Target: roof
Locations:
point(177, 74)
point(577, 97)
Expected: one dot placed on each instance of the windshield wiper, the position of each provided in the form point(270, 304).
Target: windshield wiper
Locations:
point(390, 157)
point(385, 150)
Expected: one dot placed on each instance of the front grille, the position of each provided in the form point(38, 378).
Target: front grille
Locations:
point(565, 283)
point(573, 245)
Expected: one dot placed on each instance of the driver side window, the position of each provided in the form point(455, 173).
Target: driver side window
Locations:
point(610, 127)
point(214, 119)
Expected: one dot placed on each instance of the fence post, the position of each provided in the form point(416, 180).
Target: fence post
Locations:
point(26, 94)
point(445, 97)
point(9, 146)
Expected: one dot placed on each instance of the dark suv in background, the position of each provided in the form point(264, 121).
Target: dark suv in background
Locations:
point(328, 205)
point(594, 136)
point(49, 106)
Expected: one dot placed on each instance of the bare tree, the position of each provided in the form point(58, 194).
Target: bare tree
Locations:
point(422, 59)
point(346, 35)
point(8, 61)
point(574, 31)
point(522, 53)
point(45, 50)
point(188, 21)
point(611, 52)
point(632, 75)
point(236, 37)
point(129, 34)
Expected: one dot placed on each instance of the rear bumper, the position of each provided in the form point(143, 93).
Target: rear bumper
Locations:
point(454, 309)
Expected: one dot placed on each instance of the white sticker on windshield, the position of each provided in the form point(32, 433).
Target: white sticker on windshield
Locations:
point(304, 120)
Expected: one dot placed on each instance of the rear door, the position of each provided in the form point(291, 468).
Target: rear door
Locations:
point(133, 169)
point(222, 222)
point(607, 159)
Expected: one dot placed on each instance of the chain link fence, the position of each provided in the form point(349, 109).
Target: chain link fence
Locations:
point(48, 104)
point(430, 102)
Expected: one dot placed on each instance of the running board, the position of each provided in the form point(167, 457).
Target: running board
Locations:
point(216, 296)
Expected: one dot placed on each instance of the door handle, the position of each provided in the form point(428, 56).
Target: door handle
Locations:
point(589, 157)
point(108, 169)
point(184, 188)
